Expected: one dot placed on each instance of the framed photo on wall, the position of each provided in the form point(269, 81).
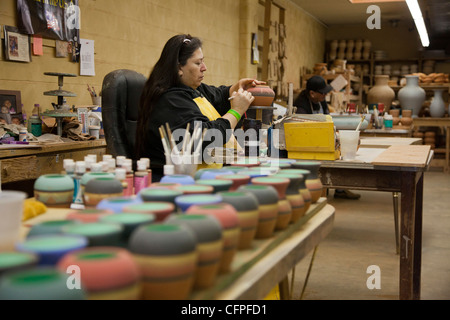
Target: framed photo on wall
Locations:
point(10, 102)
point(17, 46)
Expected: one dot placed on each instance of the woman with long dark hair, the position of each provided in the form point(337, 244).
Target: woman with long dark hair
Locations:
point(175, 94)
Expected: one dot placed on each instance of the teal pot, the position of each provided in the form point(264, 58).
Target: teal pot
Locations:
point(159, 194)
point(117, 204)
point(208, 174)
point(161, 210)
point(247, 206)
point(268, 208)
point(14, 261)
point(129, 222)
point(88, 215)
point(94, 175)
point(167, 257)
point(208, 232)
point(44, 283)
point(54, 190)
point(49, 227)
point(256, 172)
point(185, 201)
point(107, 273)
point(99, 189)
point(97, 233)
point(50, 248)
point(218, 184)
point(196, 189)
point(178, 178)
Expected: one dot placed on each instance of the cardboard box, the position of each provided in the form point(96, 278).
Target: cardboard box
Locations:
point(311, 140)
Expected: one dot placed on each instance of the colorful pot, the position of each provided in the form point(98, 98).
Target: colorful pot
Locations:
point(196, 189)
point(165, 185)
point(178, 178)
point(97, 233)
point(268, 208)
point(256, 172)
point(129, 222)
point(51, 248)
point(167, 257)
point(94, 175)
point(293, 194)
point(159, 194)
point(38, 284)
point(185, 201)
point(264, 95)
point(312, 181)
point(247, 162)
point(88, 215)
point(304, 191)
point(54, 190)
point(237, 180)
point(107, 273)
point(208, 174)
point(14, 261)
point(49, 227)
point(161, 210)
point(227, 215)
point(247, 206)
point(284, 206)
point(208, 232)
point(218, 184)
point(99, 189)
point(117, 204)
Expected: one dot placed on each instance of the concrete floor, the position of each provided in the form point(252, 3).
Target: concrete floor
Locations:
point(363, 235)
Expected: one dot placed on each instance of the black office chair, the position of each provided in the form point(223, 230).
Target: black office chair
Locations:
point(121, 92)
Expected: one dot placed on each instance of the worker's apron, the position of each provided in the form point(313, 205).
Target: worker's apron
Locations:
point(208, 110)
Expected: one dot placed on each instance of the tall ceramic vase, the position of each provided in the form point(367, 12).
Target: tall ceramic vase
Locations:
point(381, 92)
point(437, 106)
point(412, 96)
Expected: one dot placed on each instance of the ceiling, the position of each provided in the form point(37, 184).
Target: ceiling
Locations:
point(336, 12)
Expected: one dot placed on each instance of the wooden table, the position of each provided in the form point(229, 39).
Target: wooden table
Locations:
point(399, 168)
point(19, 163)
point(387, 133)
point(441, 123)
point(255, 271)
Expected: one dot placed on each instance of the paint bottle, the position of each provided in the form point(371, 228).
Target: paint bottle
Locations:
point(111, 165)
point(128, 165)
point(121, 174)
point(149, 171)
point(119, 161)
point(23, 133)
point(96, 167)
point(80, 170)
point(140, 177)
point(69, 166)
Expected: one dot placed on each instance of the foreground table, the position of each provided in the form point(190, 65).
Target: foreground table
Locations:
point(400, 168)
point(255, 271)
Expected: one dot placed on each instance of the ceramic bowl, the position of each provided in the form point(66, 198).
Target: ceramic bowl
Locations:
point(208, 232)
point(196, 189)
point(185, 201)
point(14, 261)
point(50, 248)
point(107, 273)
point(97, 233)
point(99, 189)
point(159, 194)
point(208, 174)
point(117, 204)
point(165, 185)
point(54, 190)
point(178, 178)
point(247, 162)
point(237, 180)
point(94, 175)
point(88, 215)
point(45, 283)
point(218, 184)
point(167, 257)
point(161, 210)
point(247, 206)
point(227, 215)
point(49, 227)
point(129, 222)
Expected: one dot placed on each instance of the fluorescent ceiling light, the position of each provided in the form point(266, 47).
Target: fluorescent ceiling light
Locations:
point(416, 14)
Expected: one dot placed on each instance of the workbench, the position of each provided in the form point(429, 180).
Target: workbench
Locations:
point(398, 168)
point(28, 162)
point(257, 270)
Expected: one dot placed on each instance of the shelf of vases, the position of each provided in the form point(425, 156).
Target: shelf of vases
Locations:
point(443, 86)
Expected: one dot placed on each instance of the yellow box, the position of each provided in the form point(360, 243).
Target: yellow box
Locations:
point(311, 140)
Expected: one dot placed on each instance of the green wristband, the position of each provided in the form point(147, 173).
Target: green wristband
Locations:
point(235, 114)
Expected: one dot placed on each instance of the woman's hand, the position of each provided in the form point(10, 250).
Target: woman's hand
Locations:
point(241, 101)
point(245, 84)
